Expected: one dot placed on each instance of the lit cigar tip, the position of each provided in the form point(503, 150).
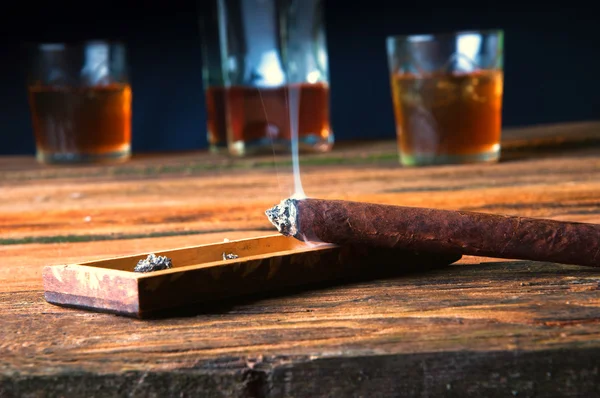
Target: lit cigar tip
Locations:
point(283, 217)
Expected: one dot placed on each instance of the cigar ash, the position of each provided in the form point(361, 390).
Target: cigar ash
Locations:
point(153, 263)
point(230, 256)
point(284, 217)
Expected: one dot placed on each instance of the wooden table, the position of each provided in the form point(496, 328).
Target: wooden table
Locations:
point(482, 327)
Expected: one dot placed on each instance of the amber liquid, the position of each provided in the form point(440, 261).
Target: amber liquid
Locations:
point(260, 117)
point(448, 118)
point(216, 119)
point(81, 124)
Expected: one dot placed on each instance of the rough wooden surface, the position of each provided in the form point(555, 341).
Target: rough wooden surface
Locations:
point(480, 328)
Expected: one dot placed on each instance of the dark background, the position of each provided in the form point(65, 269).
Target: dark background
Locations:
point(552, 62)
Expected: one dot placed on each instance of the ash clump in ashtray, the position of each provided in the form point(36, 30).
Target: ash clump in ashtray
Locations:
point(230, 256)
point(153, 263)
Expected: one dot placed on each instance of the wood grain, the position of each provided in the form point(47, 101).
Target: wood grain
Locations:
point(210, 203)
point(521, 310)
point(480, 328)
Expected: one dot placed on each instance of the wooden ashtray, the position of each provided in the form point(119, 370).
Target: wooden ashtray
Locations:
point(201, 274)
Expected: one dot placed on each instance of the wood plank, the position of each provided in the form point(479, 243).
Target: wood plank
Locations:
point(561, 135)
point(531, 311)
point(481, 327)
point(531, 140)
point(569, 185)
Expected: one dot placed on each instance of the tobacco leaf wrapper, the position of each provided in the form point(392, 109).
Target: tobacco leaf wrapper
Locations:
point(433, 230)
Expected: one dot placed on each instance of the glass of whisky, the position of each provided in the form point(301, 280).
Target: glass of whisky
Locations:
point(266, 75)
point(213, 79)
point(447, 96)
point(80, 102)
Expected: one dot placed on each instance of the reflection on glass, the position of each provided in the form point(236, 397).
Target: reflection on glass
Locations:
point(271, 56)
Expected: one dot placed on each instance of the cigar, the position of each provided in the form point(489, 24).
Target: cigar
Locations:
point(442, 231)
